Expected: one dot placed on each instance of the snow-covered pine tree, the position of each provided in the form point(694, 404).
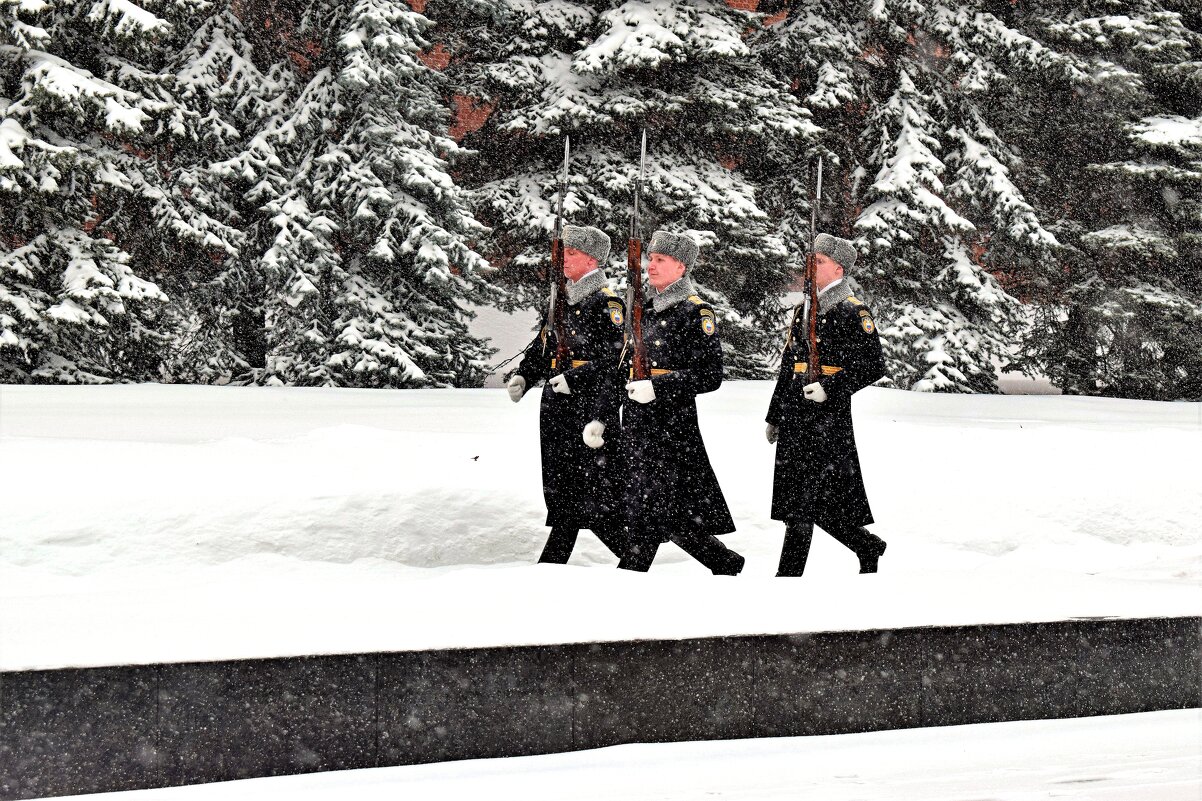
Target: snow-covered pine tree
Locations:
point(1129, 301)
point(599, 72)
point(366, 256)
point(231, 88)
point(918, 173)
point(73, 307)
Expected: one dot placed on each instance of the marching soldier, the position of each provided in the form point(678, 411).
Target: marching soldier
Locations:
point(578, 483)
point(817, 477)
point(671, 490)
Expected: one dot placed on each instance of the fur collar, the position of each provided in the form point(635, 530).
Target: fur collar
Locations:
point(593, 282)
point(673, 294)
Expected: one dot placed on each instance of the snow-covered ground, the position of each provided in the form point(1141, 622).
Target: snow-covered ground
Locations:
point(1149, 757)
point(171, 523)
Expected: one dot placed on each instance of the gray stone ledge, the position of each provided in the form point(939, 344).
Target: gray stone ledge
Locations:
point(72, 731)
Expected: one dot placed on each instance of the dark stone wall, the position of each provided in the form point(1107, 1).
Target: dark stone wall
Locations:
point(92, 730)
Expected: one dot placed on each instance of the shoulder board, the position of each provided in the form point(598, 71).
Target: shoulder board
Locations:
point(854, 300)
point(606, 290)
point(696, 299)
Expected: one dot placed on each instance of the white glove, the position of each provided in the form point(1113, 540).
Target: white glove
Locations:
point(814, 392)
point(560, 384)
point(770, 432)
point(592, 434)
point(516, 388)
point(640, 391)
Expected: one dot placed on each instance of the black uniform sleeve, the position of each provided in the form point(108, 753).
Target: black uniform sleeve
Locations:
point(864, 363)
point(703, 357)
point(536, 359)
point(776, 408)
point(611, 383)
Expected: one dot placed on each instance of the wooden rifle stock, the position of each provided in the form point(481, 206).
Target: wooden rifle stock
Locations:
point(813, 365)
point(640, 370)
point(813, 362)
point(634, 265)
point(559, 323)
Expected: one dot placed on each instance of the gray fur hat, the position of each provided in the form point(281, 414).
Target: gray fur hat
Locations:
point(587, 239)
point(841, 250)
point(679, 246)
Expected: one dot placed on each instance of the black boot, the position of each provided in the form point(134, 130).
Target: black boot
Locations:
point(867, 546)
point(640, 553)
point(796, 548)
point(559, 545)
point(732, 567)
point(613, 538)
point(711, 552)
point(869, 558)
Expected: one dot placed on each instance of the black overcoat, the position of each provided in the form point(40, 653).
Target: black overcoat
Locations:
point(580, 485)
point(670, 484)
point(817, 476)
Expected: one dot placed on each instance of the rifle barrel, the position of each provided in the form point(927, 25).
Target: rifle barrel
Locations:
point(558, 279)
point(813, 362)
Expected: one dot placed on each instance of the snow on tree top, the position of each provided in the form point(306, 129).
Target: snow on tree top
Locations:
point(1170, 130)
point(70, 84)
point(1131, 237)
point(647, 35)
point(128, 19)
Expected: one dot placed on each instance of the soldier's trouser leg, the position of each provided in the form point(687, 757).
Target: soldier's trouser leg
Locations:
point(640, 553)
point(614, 539)
point(867, 546)
point(711, 552)
point(796, 548)
point(559, 545)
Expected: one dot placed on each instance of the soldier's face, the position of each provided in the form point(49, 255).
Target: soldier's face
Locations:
point(663, 271)
point(577, 264)
point(826, 271)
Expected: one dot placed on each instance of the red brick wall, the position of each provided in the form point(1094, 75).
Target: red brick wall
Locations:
point(436, 58)
point(470, 115)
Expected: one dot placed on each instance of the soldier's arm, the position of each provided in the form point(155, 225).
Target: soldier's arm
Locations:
point(865, 363)
point(611, 383)
point(784, 376)
point(703, 371)
point(536, 359)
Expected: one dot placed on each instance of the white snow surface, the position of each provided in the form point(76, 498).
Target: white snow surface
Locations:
point(1153, 756)
point(1171, 129)
point(151, 523)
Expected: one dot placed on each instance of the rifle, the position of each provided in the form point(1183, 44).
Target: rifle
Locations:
point(634, 266)
point(813, 365)
point(559, 282)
